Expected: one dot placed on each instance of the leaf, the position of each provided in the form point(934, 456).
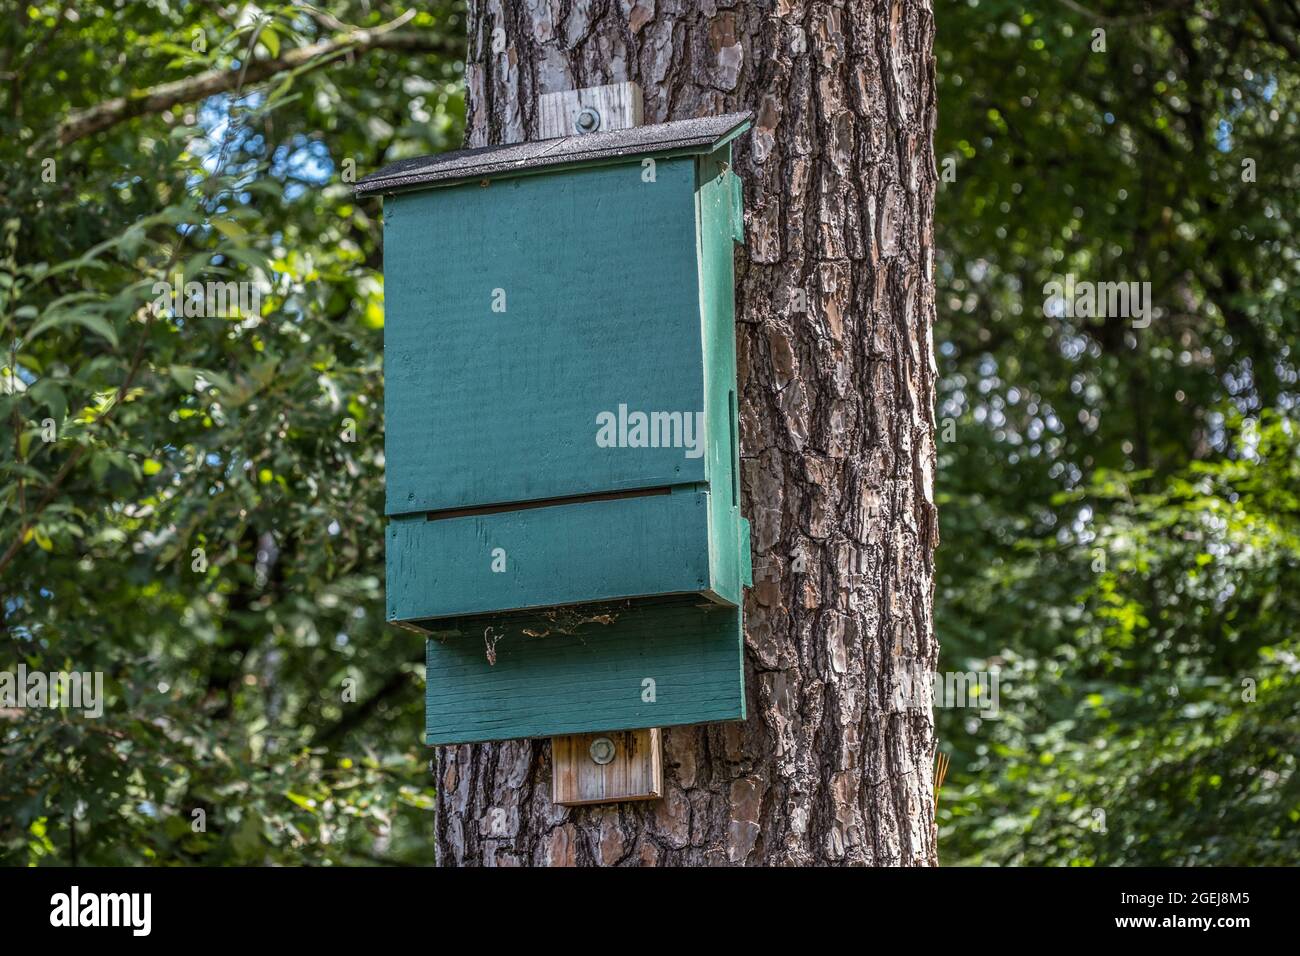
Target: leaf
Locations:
point(247, 840)
point(307, 803)
point(231, 230)
point(269, 39)
point(184, 376)
point(79, 316)
point(49, 393)
point(223, 384)
point(252, 258)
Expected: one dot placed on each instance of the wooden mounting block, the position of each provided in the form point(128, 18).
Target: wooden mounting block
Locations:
point(634, 771)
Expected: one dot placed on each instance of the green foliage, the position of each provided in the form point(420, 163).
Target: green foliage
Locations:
point(1118, 504)
point(1150, 677)
point(205, 527)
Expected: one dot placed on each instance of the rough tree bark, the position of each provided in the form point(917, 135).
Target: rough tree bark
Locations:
point(834, 765)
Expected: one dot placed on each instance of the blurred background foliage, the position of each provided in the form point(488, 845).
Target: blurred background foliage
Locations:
point(227, 671)
point(1121, 530)
point(1118, 505)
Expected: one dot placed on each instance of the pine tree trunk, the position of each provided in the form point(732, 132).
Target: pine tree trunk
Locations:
point(834, 766)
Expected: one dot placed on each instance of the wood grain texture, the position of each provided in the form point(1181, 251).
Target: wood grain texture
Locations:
point(618, 104)
point(635, 773)
point(616, 297)
point(543, 675)
point(836, 433)
point(564, 554)
point(598, 274)
point(716, 244)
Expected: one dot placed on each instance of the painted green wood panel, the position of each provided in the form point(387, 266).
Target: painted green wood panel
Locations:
point(746, 555)
point(715, 198)
point(592, 679)
point(540, 557)
point(599, 274)
point(737, 205)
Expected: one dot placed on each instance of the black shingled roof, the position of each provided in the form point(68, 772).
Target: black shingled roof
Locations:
point(693, 135)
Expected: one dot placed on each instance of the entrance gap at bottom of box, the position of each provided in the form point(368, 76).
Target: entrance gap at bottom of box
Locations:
point(545, 503)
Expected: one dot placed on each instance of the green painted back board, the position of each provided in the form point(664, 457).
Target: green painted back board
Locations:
point(561, 431)
point(518, 313)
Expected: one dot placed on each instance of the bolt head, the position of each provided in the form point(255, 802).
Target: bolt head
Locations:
point(588, 121)
point(603, 750)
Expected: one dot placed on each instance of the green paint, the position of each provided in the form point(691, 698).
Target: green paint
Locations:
point(598, 274)
point(594, 678)
point(714, 213)
point(528, 321)
point(565, 554)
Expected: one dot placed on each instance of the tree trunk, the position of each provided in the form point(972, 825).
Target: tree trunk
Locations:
point(834, 764)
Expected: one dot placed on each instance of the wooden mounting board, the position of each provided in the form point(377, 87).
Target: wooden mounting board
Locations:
point(635, 773)
point(619, 106)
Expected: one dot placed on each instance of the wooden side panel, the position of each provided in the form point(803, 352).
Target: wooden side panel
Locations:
point(737, 207)
point(635, 773)
point(540, 557)
point(520, 311)
point(746, 554)
point(645, 665)
point(715, 209)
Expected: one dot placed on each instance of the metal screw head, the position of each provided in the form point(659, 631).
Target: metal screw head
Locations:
point(588, 120)
point(602, 750)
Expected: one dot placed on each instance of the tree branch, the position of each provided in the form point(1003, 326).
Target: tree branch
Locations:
point(82, 123)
